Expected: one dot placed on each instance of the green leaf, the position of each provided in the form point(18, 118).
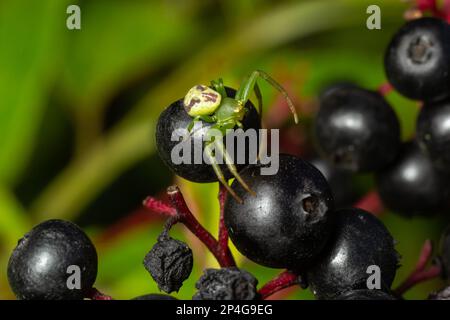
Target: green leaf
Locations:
point(119, 41)
point(30, 33)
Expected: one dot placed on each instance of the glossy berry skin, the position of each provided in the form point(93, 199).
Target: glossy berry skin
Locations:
point(444, 252)
point(226, 284)
point(412, 185)
point(433, 132)
point(175, 117)
point(288, 222)
point(366, 294)
point(417, 61)
point(37, 268)
point(360, 240)
point(340, 181)
point(356, 129)
point(155, 296)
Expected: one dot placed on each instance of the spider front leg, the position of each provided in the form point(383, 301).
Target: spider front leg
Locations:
point(243, 94)
point(208, 119)
point(209, 147)
point(219, 146)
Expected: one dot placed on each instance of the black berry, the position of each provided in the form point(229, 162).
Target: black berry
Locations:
point(155, 296)
point(357, 129)
point(433, 132)
point(175, 117)
point(38, 266)
point(366, 294)
point(360, 241)
point(169, 262)
point(288, 222)
point(340, 181)
point(226, 284)
point(412, 185)
point(417, 61)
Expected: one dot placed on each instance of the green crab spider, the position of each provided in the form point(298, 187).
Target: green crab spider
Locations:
point(212, 105)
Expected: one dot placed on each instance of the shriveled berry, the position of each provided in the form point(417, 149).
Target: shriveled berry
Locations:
point(169, 262)
point(366, 294)
point(417, 61)
point(175, 117)
point(412, 185)
point(433, 132)
point(288, 222)
point(226, 284)
point(357, 129)
point(444, 294)
point(360, 241)
point(38, 268)
point(155, 296)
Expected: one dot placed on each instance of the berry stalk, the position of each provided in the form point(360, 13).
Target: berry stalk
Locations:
point(179, 212)
point(385, 88)
point(371, 202)
point(282, 281)
point(95, 294)
point(421, 273)
point(223, 232)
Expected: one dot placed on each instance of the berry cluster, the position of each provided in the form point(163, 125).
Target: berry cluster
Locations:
point(293, 219)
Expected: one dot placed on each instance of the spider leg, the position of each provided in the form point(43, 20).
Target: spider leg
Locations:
point(259, 98)
point(219, 87)
point(243, 94)
point(218, 172)
point(230, 164)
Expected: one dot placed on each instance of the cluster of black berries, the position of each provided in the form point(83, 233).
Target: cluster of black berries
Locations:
point(358, 130)
point(292, 222)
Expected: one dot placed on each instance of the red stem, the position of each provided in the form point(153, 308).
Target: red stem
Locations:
point(223, 232)
point(385, 88)
point(371, 202)
point(94, 294)
point(421, 273)
point(181, 213)
point(283, 280)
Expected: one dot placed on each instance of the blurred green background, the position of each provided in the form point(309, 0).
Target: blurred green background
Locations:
point(78, 111)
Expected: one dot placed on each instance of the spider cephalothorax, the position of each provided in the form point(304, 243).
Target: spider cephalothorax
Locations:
point(212, 105)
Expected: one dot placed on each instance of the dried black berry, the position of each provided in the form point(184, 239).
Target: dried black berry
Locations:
point(226, 284)
point(169, 263)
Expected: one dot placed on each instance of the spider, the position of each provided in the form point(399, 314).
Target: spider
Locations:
point(212, 105)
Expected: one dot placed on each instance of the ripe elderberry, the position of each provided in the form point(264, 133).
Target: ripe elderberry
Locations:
point(169, 262)
point(433, 132)
point(38, 266)
point(412, 185)
point(288, 222)
point(226, 284)
point(360, 240)
point(417, 61)
point(357, 129)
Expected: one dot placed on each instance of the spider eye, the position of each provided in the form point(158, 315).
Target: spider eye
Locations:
point(201, 101)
